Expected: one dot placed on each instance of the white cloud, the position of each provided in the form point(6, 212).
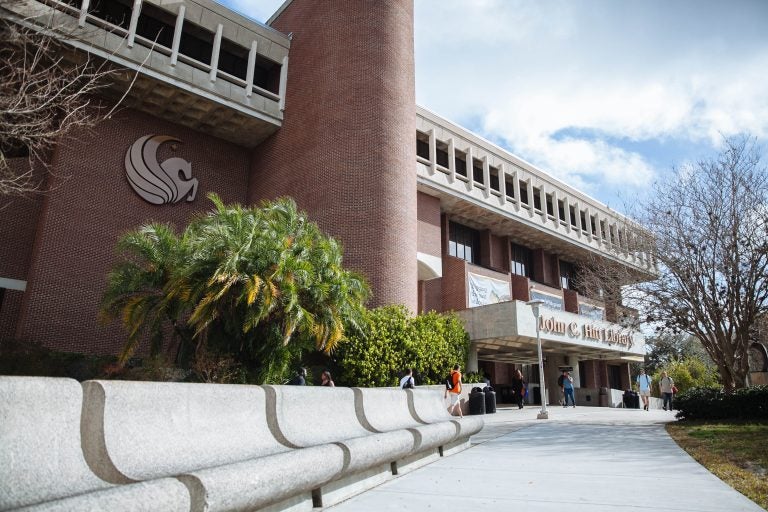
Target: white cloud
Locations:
point(574, 86)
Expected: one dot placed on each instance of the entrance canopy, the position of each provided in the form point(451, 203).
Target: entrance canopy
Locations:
point(506, 332)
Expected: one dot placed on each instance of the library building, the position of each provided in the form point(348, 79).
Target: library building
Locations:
point(318, 103)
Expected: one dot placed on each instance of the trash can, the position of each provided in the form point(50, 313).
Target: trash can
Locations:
point(631, 400)
point(477, 401)
point(490, 400)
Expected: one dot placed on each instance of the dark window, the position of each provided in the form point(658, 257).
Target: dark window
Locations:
point(233, 59)
point(461, 163)
point(522, 261)
point(196, 43)
point(477, 171)
point(550, 205)
point(510, 185)
point(583, 217)
point(523, 192)
point(561, 209)
point(572, 211)
point(463, 242)
point(567, 273)
point(156, 25)
point(117, 13)
point(441, 154)
point(422, 145)
point(593, 224)
point(602, 229)
point(613, 237)
point(266, 74)
point(537, 199)
point(494, 175)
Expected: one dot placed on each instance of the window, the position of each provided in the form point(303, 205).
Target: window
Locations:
point(550, 205)
point(572, 211)
point(592, 223)
point(522, 261)
point(567, 273)
point(602, 229)
point(494, 176)
point(461, 163)
point(477, 171)
point(117, 13)
point(537, 199)
point(561, 209)
point(441, 154)
point(266, 74)
point(196, 42)
point(463, 242)
point(233, 59)
point(510, 186)
point(583, 218)
point(523, 192)
point(156, 25)
point(422, 145)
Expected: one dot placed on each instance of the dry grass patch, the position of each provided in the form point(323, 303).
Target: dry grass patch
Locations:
point(735, 452)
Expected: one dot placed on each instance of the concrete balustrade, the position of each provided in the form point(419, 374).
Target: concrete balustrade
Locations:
point(114, 445)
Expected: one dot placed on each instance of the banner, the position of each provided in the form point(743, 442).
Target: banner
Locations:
point(486, 290)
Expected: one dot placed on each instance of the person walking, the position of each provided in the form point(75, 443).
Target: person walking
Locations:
point(518, 388)
point(454, 392)
point(326, 380)
point(407, 381)
point(666, 385)
point(644, 384)
point(568, 390)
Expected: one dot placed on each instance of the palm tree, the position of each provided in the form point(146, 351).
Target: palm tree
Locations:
point(260, 284)
point(261, 278)
point(136, 289)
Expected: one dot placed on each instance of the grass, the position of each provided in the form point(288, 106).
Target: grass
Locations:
point(734, 451)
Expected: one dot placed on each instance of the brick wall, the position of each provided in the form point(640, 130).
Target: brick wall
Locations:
point(428, 215)
point(345, 151)
point(90, 205)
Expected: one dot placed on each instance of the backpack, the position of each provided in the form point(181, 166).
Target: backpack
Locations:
point(408, 384)
point(449, 382)
point(560, 381)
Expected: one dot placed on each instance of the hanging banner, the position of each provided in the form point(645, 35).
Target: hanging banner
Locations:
point(486, 290)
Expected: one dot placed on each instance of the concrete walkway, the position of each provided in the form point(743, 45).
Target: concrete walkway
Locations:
point(580, 459)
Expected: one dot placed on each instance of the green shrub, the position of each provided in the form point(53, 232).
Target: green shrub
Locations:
point(714, 403)
point(394, 340)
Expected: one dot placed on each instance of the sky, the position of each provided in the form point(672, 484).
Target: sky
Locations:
point(605, 95)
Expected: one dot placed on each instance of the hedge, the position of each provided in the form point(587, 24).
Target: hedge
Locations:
point(714, 404)
point(394, 340)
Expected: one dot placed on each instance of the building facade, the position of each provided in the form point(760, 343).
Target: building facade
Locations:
point(318, 104)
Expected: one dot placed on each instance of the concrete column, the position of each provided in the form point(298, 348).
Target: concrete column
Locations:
point(472, 359)
point(451, 161)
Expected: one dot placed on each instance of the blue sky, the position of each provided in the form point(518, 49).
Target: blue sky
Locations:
point(605, 95)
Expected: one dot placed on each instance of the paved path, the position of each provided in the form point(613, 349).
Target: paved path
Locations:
point(581, 459)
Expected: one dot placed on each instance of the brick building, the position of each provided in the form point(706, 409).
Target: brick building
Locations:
point(318, 104)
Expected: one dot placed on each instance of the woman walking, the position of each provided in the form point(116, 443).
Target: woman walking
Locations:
point(518, 388)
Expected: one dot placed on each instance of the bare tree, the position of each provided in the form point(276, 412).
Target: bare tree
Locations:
point(707, 228)
point(46, 91)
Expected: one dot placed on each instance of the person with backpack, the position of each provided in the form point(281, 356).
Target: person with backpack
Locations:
point(644, 383)
point(518, 388)
point(560, 385)
point(453, 388)
point(407, 381)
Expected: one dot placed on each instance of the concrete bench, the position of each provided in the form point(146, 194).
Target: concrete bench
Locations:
point(168, 446)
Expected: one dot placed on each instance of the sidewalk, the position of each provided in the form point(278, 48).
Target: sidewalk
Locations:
point(581, 459)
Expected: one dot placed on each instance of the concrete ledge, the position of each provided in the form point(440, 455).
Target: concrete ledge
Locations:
point(259, 482)
point(40, 455)
point(136, 446)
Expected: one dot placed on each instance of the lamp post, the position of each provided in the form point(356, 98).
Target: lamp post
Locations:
point(543, 414)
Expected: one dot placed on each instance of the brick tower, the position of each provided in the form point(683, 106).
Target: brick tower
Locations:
point(346, 149)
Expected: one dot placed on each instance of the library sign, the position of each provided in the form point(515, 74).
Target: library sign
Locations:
point(587, 330)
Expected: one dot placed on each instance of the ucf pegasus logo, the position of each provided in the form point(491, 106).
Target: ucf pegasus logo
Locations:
point(158, 183)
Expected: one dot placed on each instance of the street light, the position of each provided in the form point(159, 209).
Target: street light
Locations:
point(543, 414)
